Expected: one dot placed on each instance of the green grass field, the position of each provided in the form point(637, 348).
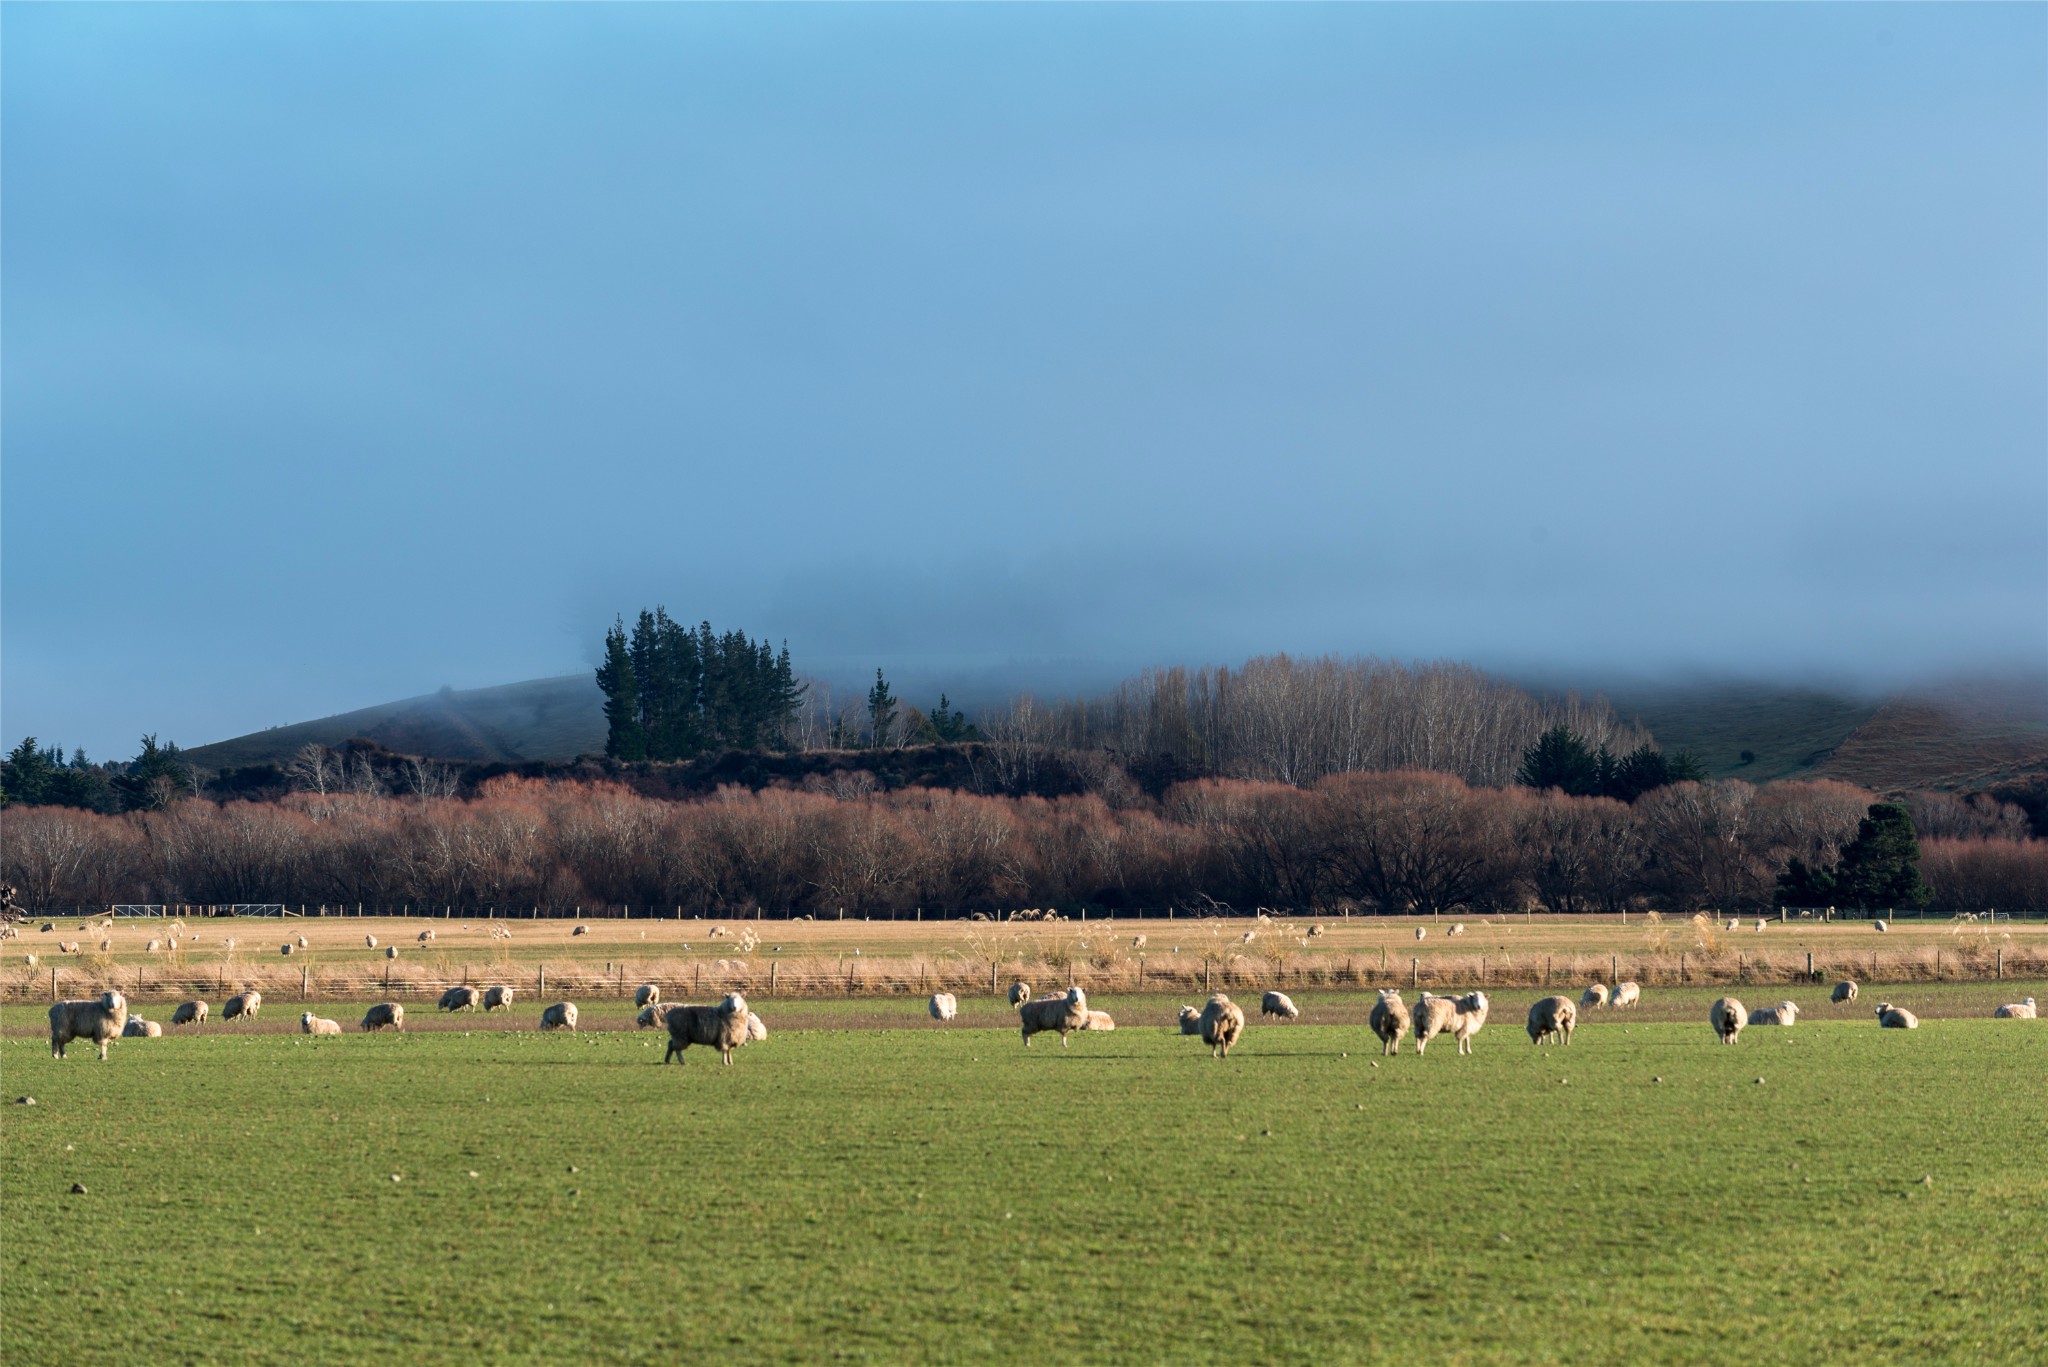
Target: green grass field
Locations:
point(945, 1195)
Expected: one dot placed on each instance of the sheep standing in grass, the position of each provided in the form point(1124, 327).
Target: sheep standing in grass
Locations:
point(370, 940)
point(1065, 1013)
point(1279, 1004)
point(647, 995)
point(383, 1016)
point(943, 1006)
point(138, 1028)
point(1098, 1020)
point(316, 1025)
point(1432, 1016)
point(1020, 992)
point(1422, 932)
point(1462, 1017)
point(99, 1020)
point(391, 951)
point(189, 1013)
point(560, 1016)
point(1784, 1013)
point(722, 1027)
point(1594, 996)
point(460, 999)
point(1727, 1017)
point(1553, 1018)
point(285, 949)
point(243, 1004)
point(29, 959)
point(1389, 1020)
point(2016, 1011)
point(1845, 991)
point(1190, 1021)
point(580, 930)
point(1891, 1017)
point(1222, 1022)
point(1137, 942)
point(426, 937)
point(1627, 994)
point(1879, 926)
point(496, 998)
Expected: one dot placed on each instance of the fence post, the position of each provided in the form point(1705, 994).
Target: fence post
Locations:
point(1809, 964)
point(53, 982)
point(305, 981)
point(1546, 970)
point(773, 964)
point(1414, 972)
point(1614, 968)
point(1205, 978)
point(992, 966)
point(542, 990)
point(2001, 963)
point(1683, 976)
point(1141, 973)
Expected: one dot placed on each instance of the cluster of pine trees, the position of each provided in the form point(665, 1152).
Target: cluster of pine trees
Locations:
point(35, 775)
point(1561, 759)
point(671, 693)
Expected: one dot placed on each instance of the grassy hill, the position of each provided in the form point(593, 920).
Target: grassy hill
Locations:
point(1965, 735)
point(1787, 729)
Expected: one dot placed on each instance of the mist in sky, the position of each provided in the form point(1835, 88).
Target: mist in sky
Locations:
point(355, 350)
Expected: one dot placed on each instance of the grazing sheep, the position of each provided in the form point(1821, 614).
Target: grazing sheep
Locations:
point(1020, 993)
point(382, 1016)
point(1314, 932)
point(651, 1015)
point(1879, 926)
point(1098, 1020)
point(1727, 1017)
point(1891, 1017)
point(2016, 1011)
point(68, 947)
point(1594, 996)
point(138, 1028)
point(99, 1020)
point(943, 1006)
point(29, 959)
point(189, 1013)
point(1845, 991)
point(1249, 936)
point(316, 1025)
point(152, 947)
point(1390, 1021)
point(723, 1027)
point(1784, 1013)
point(647, 995)
point(1553, 1018)
point(1137, 942)
point(1279, 1004)
point(1462, 1017)
point(560, 1016)
point(370, 940)
point(242, 1004)
point(1222, 1022)
point(497, 997)
point(580, 930)
point(285, 949)
point(426, 937)
point(1422, 932)
point(391, 951)
point(460, 999)
point(1627, 994)
point(1190, 1021)
point(1064, 1013)
point(1734, 924)
point(106, 946)
point(305, 943)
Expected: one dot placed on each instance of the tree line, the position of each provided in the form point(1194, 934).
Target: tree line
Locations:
point(671, 693)
point(1390, 842)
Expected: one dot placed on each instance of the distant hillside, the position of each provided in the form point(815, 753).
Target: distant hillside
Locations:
point(541, 719)
point(1966, 736)
point(1786, 729)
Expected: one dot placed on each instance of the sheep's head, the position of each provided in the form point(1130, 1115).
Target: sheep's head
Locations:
point(734, 1004)
point(1188, 1013)
point(1077, 997)
point(113, 1001)
point(1473, 1001)
point(1883, 1010)
point(1790, 1009)
point(306, 1019)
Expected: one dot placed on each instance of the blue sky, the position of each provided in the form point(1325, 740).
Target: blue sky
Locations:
point(354, 350)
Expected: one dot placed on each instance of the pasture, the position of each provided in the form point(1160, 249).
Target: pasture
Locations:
point(865, 1185)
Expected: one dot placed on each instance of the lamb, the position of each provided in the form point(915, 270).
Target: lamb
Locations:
point(99, 1020)
point(242, 1004)
point(1784, 1013)
point(1020, 993)
point(1064, 1013)
point(1098, 1020)
point(1627, 994)
point(2016, 1011)
point(189, 1013)
point(1279, 1004)
point(943, 1006)
point(315, 1025)
point(647, 995)
point(1190, 1021)
point(1891, 1017)
point(1594, 996)
point(1390, 1021)
point(1845, 991)
point(384, 1015)
point(138, 1028)
point(723, 1027)
point(560, 1016)
point(1727, 1017)
point(1222, 1022)
point(460, 999)
point(496, 998)
point(1553, 1018)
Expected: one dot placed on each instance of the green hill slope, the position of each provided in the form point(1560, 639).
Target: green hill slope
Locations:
point(1787, 729)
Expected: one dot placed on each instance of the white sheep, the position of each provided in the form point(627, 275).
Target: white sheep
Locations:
point(1734, 924)
point(382, 1016)
point(1279, 1004)
point(561, 1016)
point(1553, 1018)
point(286, 949)
point(1098, 1020)
point(1389, 1020)
point(460, 999)
point(1470, 1019)
point(943, 1006)
point(1594, 996)
point(1433, 1016)
point(1065, 1013)
point(1190, 1021)
point(426, 937)
point(67, 947)
point(1137, 942)
point(1249, 936)
point(580, 930)
point(1422, 932)
point(2016, 1011)
point(757, 1029)
point(153, 946)
point(99, 1020)
point(1759, 925)
point(242, 1004)
point(1845, 991)
point(651, 1015)
point(1222, 1022)
point(497, 997)
point(1784, 1013)
point(315, 1025)
point(305, 943)
point(647, 994)
point(1315, 932)
point(1627, 994)
point(1727, 1016)
point(30, 960)
point(138, 1028)
point(1020, 992)
point(189, 1013)
point(1879, 926)
point(370, 940)
point(1891, 1017)
point(723, 1027)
